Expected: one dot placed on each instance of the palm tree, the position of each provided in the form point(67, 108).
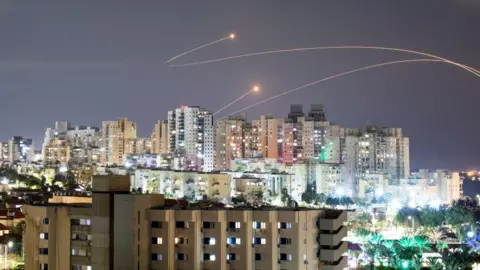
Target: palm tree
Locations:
point(389, 252)
point(422, 243)
point(407, 248)
point(364, 235)
point(373, 249)
point(441, 246)
point(435, 263)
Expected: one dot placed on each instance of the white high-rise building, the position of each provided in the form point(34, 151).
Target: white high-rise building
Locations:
point(191, 137)
point(375, 150)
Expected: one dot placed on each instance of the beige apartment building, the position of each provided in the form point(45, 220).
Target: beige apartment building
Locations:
point(212, 185)
point(121, 230)
point(115, 138)
point(230, 141)
point(160, 137)
point(138, 146)
point(57, 150)
point(267, 130)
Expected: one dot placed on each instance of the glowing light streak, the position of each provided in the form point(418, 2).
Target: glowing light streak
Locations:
point(254, 89)
point(230, 36)
point(465, 67)
point(333, 77)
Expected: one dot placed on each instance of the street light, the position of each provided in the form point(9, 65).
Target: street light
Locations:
point(5, 253)
point(413, 222)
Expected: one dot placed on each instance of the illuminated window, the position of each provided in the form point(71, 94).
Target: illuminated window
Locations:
point(233, 241)
point(259, 225)
point(259, 241)
point(209, 241)
point(209, 257)
point(156, 257)
point(157, 240)
point(285, 257)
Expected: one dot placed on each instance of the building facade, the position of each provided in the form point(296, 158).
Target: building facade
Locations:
point(160, 137)
point(20, 149)
point(115, 137)
point(192, 137)
point(232, 141)
point(163, 235)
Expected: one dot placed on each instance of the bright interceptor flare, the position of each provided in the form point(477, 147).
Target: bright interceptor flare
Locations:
point(230, 36)
point(254, 89)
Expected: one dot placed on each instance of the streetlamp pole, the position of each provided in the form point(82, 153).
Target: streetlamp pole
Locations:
point(413, 223)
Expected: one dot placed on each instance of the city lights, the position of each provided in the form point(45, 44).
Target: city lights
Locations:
point(234, 147)
point(63, 169)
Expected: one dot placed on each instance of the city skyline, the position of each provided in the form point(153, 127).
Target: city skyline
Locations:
point(88, 72)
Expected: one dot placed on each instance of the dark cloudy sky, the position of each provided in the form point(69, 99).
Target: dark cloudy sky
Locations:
point(88, 61)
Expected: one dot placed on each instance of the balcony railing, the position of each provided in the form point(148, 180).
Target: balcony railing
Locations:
point(334, 238)
point(338, 265)
point(332, 254)
point(81, 228)
point(332, 222)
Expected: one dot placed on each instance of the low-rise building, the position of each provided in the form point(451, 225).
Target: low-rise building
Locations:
point(179, 184)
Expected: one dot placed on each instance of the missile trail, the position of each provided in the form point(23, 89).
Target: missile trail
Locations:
point(231, 36)
point(233, 102)
point(465, 67)
point(332, 77)
point(254, 89)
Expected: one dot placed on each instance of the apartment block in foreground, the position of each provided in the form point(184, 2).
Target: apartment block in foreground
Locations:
point(122, 230)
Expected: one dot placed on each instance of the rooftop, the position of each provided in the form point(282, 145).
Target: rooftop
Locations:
point(215, 206)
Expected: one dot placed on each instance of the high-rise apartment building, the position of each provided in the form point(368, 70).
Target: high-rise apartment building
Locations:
point(192, 137)
point(20, 149)
point(115, 136)
point(125, 231)
point(160, 137)
point(81, 143)
point(4, 152)
point(56, 151)
point(232, 140)
point(268, 129)
point(309, 136)
point(377, 150)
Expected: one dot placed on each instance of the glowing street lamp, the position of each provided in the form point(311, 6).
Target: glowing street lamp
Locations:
point(413, 222)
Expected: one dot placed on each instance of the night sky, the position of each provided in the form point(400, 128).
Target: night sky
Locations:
point(90, 60)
